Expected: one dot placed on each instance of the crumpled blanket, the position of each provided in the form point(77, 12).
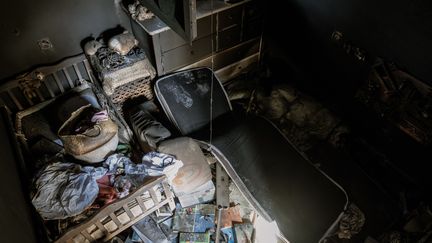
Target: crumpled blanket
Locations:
point(65, 189)
point(153, 164)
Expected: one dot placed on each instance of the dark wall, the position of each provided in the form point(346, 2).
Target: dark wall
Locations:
point(17, 223)
point(66, 23)
point(399, 30)
point(298, 36)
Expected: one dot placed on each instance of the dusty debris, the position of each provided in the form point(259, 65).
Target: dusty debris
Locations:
point(149, 231)
point(91, 47)
point(139, 12)
point(194, 237)
point(351, 223)
point(303, 120)
point(196, 219)
point(123, 43)
point(243, 232)
point(230, 216)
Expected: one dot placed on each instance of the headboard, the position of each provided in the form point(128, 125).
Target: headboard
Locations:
point(44, 83)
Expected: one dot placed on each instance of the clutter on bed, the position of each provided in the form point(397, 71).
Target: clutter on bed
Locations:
point(67, 193)
point(100, 200)
point(92, 183)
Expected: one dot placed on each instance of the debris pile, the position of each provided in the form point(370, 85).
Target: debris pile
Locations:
point(75, 186)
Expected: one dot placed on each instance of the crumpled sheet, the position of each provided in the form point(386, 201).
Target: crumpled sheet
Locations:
point(107, 193)
point(116, 163)
point(153, 164)
point(65, 189)
point(158, 164)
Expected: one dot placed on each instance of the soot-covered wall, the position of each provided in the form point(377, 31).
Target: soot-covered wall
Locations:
point(65, 23)
point(299, 36)
point(398, 30)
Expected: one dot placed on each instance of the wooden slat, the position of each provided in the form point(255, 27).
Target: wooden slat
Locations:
point(153, 195)
point(87, 235)
point(77, 71)
point(59, 84)
point(47, 70)
point(222, 186)
point(88, 69)
point(141, 203)
point(49, 89)
point(15, 100)
point(168, 194)
point(28, 99)
point(136, 219)
point(115, 220)
point(66, 73)
point(101, 227)
point(128, 211)
point(40, 96)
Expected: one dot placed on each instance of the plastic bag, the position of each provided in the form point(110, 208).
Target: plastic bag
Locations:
point(66, 189)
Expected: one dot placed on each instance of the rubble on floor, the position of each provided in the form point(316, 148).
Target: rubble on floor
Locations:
point(303, 120)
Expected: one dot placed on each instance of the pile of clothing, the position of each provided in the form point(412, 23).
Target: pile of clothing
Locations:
point(66, 189)
point(96, 171)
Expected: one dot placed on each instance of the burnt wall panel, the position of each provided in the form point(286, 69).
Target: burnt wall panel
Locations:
point(399, 30)
point(65, 23)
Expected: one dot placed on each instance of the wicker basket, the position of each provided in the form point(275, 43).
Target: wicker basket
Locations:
point(135, 89)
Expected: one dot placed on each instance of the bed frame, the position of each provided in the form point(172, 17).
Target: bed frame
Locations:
point(30, 91)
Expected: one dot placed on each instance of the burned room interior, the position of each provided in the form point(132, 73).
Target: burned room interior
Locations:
point(234, 121)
